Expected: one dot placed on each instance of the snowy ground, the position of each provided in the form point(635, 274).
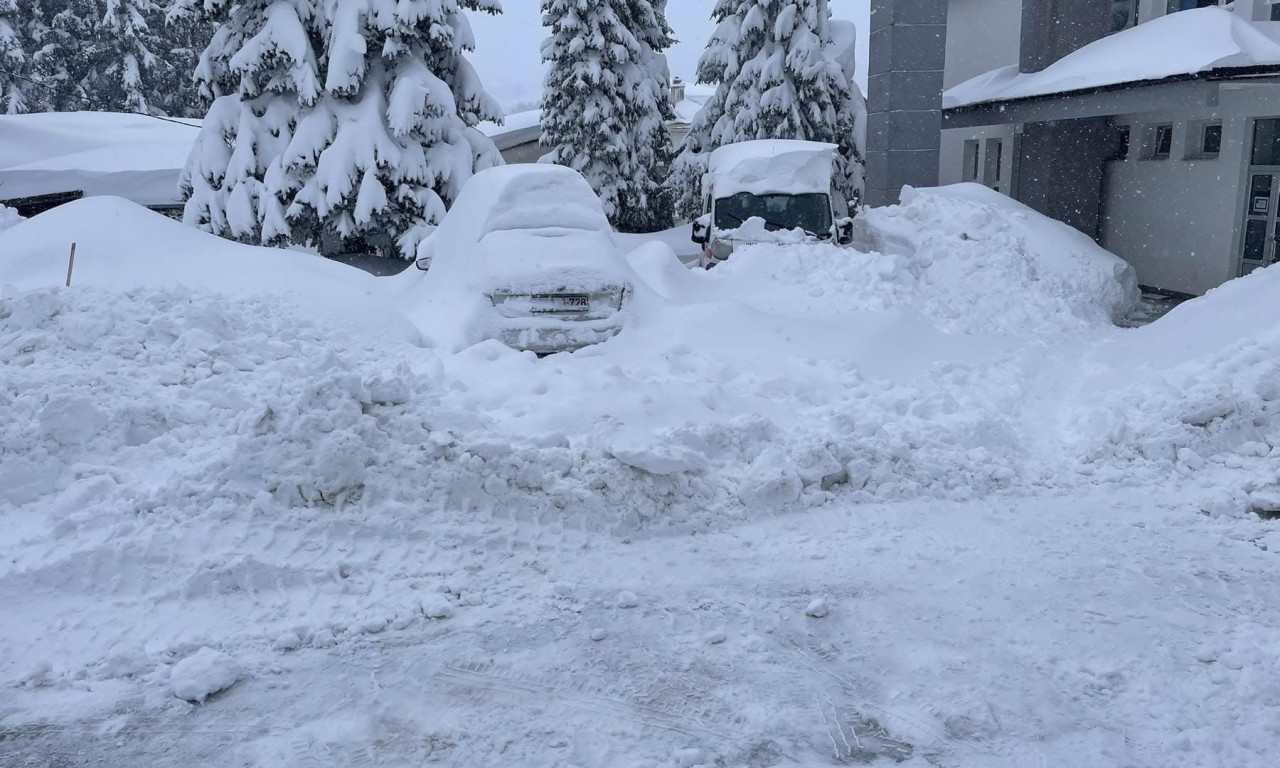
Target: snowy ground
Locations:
point(921, 501)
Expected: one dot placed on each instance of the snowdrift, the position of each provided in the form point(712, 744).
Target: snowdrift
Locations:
point(1196, 393)
point(209, 476)
point(122, 246)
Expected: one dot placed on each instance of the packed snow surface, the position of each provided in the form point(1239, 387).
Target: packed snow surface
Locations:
point(918, 502)
point(1184, 43)
point(98, 153)
point(770, 167)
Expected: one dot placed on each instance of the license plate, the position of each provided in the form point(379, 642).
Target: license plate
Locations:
point(556, 303)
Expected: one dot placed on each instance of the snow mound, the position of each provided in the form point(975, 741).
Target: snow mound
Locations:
point(122, 246)
point(1184, 43)
point(974, 260)
point(203, 674)
point(1197, 392)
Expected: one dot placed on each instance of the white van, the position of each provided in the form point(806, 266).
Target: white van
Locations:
point(762, 191)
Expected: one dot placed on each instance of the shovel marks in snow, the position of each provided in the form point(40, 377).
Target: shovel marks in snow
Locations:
point(482, 682)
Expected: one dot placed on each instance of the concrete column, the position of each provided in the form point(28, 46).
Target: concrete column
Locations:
point(1052, 29)
point(904, 96)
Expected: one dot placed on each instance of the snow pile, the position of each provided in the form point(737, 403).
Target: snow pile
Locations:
point(9, 218)
point(97, 153)
point(121, 246)
point(1184, 43)
point(203, 674)
point(1198, 392)
point(969, 259)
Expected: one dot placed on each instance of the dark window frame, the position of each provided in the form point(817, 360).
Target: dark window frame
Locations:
point(1211, 147)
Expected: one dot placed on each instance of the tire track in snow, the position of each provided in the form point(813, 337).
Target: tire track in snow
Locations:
point(483, 682)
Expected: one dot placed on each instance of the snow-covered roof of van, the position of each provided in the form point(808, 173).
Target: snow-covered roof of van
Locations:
point(99, 153)
point(777, 167)
point(1184, 43)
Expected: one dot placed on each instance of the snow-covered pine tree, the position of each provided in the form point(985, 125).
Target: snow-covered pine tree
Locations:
point(62, 33)
point(355, 118)
point(13, 58)
point(777, 78)
point(605, 104)
point(124, 68)
point(183, 38)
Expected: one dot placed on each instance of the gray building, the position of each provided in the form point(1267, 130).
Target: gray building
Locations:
point(1155, 131)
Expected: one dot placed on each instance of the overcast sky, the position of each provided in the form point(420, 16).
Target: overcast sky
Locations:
point(507, 48)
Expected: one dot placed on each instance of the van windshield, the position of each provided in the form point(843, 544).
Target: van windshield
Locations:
point(811, 212)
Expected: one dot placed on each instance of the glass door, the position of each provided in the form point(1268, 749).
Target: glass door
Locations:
point(1261, 228)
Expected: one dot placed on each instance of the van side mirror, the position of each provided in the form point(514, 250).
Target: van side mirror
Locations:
point(702, 230)
point(844, 231)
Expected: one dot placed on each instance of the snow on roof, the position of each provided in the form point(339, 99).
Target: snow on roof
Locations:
point(1184, 43)
point(516, 129)
point(771, 166)
point(100, 153)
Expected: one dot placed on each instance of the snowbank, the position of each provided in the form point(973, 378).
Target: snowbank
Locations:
point(122, 246)
point(1183, 43)
point(99, 153)
point(1196, 393)
point(980, 261)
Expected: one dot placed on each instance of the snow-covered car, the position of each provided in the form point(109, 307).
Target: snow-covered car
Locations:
point(769, 191)
point(525, 256)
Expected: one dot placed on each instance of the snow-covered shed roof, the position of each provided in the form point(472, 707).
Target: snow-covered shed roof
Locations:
point(516, 129)
point(1185, 43)
point(135, 157)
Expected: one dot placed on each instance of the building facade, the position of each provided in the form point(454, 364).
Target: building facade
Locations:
point(1151, 125)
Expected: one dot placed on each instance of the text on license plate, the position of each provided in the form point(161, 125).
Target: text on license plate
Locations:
point(561, 302)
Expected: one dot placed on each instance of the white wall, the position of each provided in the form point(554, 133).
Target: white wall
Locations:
point(952, 158)
point(1174, 220)
point(1178, 220)
point(982, 35)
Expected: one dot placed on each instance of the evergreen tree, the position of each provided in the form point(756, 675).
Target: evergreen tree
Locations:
point(606, 103)
point(63, 33)
point(354, 118)
point(777, 76)
point(185, 36)
point(14, 88)
point(124, 67)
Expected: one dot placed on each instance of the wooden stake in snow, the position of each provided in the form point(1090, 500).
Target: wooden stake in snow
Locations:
point(71, 264)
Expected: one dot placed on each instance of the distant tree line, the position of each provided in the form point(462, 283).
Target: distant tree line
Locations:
point(100, 55)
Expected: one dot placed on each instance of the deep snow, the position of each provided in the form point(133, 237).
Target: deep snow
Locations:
point(1029, 530)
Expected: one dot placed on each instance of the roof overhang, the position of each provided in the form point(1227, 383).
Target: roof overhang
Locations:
point(1119, 99)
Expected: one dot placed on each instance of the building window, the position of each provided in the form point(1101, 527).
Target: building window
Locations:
point(1186, 5)
point(1266, 142)
point(1275, 12)
point(1211, 140)
point(970, 161)
point(1124, 14)
point(1122, 143)
point(1158, 143)
point(994, 163)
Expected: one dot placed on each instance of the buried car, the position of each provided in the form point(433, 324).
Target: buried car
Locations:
point(769, 191)
point(527, 257)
